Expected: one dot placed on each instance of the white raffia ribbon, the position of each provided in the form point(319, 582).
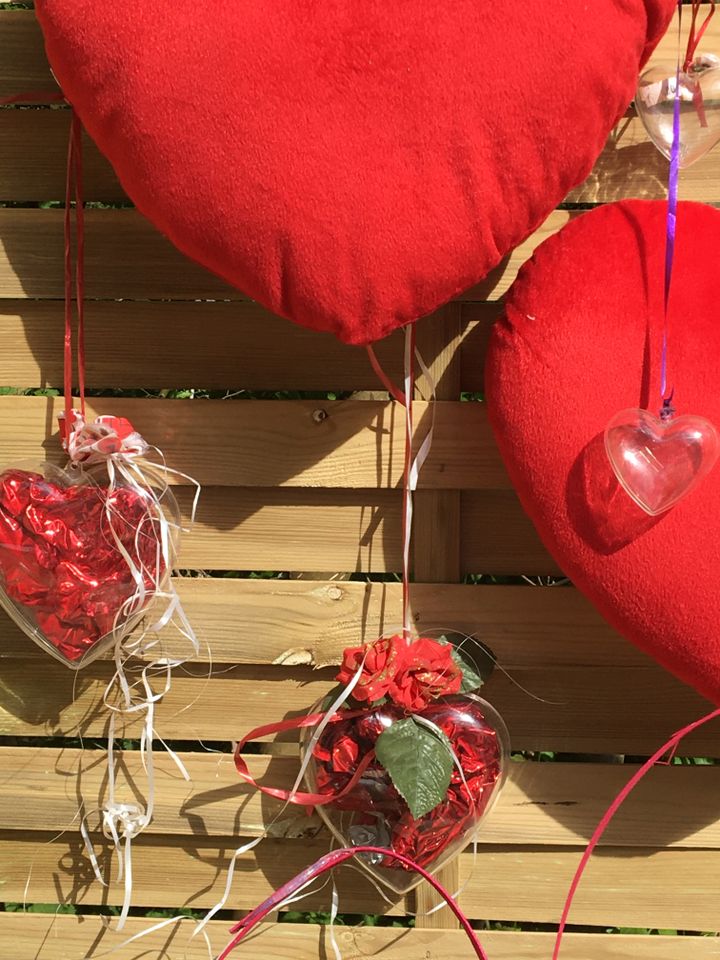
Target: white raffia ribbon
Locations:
point(112, 441)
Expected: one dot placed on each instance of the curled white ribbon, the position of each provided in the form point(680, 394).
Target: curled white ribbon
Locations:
point(113, 442)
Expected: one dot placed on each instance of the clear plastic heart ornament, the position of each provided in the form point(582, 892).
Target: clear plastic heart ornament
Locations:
point(374, 813)
point(699, 106)
point(657, 461)
point(81, 557)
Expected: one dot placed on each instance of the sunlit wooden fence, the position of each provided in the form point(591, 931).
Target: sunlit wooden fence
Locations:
point(302, 487)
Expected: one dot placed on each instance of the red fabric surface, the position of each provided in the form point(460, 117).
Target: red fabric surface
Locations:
point(352, 166)
point(580, 340)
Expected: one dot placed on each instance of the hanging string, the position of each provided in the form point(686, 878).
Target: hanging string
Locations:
point(412, 467)
point(74, 271)
point(695, 35)
point(667, 411)
point(113, 442)
point(407, 510)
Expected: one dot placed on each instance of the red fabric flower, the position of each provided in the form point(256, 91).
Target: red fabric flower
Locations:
point(426, 671)
point(411, 674)
point(381, 663)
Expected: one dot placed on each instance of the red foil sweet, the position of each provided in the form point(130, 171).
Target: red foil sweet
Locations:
point(60, 565)
point(374, 812)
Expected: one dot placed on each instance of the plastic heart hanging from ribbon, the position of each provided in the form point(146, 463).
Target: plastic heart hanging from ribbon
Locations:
point(85, 550)
point(657, 461)
point(699, 93)
point(79, 561)
point(402, 765)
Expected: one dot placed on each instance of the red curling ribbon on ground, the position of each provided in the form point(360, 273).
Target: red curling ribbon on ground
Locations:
point(299, 723)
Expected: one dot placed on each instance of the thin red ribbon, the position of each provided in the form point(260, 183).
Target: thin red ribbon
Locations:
point(74, 265)
point(696, 35)
point(299, 723)
point(406, 515)
point(395, 392)
point(74, 273)
point(329, 862)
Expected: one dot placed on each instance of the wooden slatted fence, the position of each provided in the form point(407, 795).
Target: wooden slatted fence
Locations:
point(287, 491)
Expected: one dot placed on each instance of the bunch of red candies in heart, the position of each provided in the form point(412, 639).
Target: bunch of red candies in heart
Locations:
point(413, 760)
point(79, 562)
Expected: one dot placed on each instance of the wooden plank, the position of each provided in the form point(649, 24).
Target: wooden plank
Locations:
point(292, 529)
point(181, 344)
point(33, 159)
point(23, 64)
point(499, 538)
point(38, 937)
point(126, 258)
point(209, 346)
point(33, 148)
point(662, 888)
point(308, 622)
point(578, 709)
point(478, 319)
point(281, 443)
point(555, 804)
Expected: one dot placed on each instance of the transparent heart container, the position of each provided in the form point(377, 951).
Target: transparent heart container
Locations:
point(83, 559)
point(374, 813)
point(699, 96)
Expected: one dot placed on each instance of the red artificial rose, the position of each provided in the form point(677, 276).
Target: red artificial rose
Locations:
point(378, 670)
point(426, 671)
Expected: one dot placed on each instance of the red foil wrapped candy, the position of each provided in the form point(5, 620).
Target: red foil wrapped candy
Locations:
point(80, 558)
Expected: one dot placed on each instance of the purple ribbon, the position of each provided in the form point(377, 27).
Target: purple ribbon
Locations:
point(670, 230)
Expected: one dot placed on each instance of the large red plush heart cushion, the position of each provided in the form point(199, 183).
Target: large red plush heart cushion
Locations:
point(351, 165)
point(580, 340)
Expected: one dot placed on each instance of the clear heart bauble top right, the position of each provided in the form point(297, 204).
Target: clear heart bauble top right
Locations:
point(699, 92)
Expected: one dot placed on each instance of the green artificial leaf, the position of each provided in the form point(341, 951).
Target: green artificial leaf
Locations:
point(419, 764)
point(471, 679)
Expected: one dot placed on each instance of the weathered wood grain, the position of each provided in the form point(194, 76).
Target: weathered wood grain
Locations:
point(557, 804)
point(574, 708)
point(277, 443)
point(311, 622)
point(210, 346)
point(660, 888)
point(38, 937)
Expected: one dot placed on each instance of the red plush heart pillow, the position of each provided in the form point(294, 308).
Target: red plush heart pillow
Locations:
point(580, 340)
point(350, 165)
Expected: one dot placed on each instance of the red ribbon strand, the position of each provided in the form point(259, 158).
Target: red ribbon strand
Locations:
point(299, 723)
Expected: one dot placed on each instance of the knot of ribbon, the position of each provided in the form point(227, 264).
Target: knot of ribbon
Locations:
point(96, 440)
point(123, 821)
